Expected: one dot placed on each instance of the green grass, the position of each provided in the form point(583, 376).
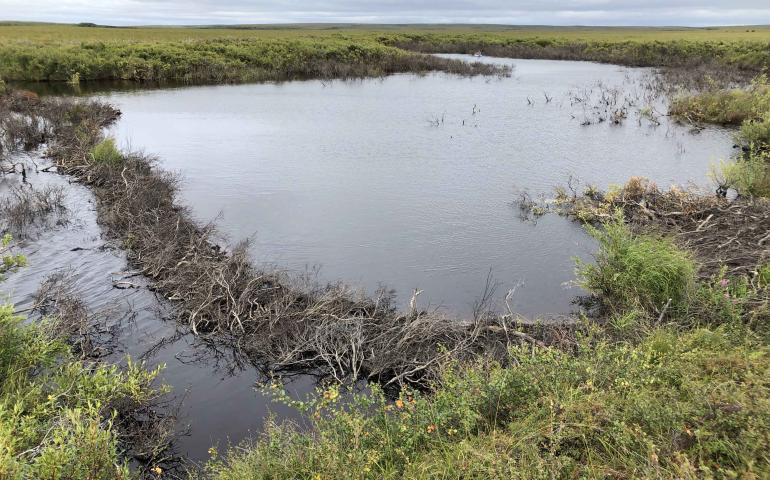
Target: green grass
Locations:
point(106, 152)
point(52, 33)
point(49, 52)
point(675, 405)
point(689, 398)
point(636, 271)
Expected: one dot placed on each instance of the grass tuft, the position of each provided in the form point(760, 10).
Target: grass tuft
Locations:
point(636, 271)
point(106, 152)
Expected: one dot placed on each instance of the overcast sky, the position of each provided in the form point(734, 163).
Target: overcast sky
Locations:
point(540, 12)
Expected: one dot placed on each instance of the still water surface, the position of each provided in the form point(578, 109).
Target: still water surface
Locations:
point(365, 179)
point(409, 181)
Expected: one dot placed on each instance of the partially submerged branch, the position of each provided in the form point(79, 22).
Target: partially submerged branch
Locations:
point(273, 319)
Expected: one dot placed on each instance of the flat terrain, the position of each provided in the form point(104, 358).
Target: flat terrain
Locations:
point(74, 54)
point(668, 378)
point(25, 32)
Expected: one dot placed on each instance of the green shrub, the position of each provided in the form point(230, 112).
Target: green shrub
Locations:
point(726, 107)
point(693, 405)
point(637, 271)
point(749, 176)
point(10, 261)
point(756, 132)
point(106, 152)
point(56, 416)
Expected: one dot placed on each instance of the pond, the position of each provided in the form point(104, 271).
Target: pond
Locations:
point(409, 181)
point(406, 181)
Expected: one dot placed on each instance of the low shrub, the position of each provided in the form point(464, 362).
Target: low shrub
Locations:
point(756, 132)
point(56, 419)
point(725, 106)
point(749, 176)
point(636, 271)
point(57, 412)
point(693, 405)
point(106, 152)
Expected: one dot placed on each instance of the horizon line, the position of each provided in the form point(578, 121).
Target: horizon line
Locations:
point(9, 22)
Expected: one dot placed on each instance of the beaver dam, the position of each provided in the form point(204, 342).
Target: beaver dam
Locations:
point(403, 188)
point(408, 181)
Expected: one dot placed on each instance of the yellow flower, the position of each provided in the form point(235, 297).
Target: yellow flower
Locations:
point(399, 403)
point(331, 394)
point(156, 470)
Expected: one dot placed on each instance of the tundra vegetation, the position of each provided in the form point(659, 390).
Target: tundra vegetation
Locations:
point(667, 377)
point(64, 415)
point(64, 53)
point(749, 108)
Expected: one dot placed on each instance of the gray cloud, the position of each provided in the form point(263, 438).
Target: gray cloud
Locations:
point(556, 12)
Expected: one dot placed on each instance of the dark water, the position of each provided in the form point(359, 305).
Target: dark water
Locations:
point(354, 177)
point(218, 404)
point(360, 178)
